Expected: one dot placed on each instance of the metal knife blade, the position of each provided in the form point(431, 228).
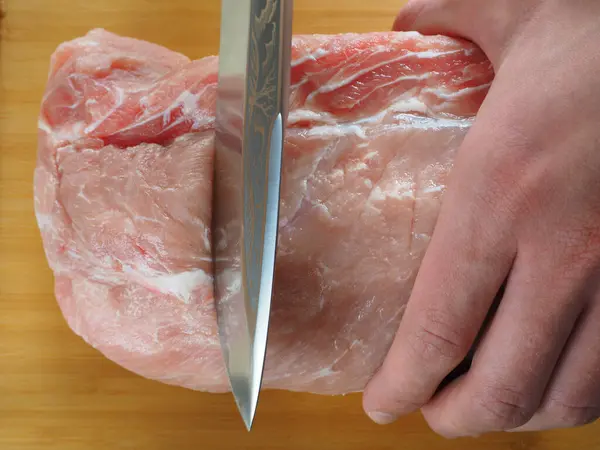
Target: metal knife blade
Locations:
point(252, 96)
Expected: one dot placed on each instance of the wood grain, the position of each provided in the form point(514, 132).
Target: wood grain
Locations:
point(58, 393)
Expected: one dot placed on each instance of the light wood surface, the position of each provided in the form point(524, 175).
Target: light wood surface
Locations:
point(58, 393)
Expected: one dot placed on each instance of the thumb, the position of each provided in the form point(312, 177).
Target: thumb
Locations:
point(432, 17)
point(486, 24)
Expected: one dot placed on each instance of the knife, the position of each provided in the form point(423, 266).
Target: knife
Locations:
point(252, 96)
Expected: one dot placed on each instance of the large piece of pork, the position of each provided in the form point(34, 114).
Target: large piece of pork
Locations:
point(123, 199)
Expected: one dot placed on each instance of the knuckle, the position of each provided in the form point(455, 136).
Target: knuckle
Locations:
point(436, 338)
point(502, 408)
point(572, 414)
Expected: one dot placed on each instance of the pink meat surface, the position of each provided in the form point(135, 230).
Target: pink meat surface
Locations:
point(123, 199)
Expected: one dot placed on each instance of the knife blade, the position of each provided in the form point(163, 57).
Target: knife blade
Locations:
point(252, 96)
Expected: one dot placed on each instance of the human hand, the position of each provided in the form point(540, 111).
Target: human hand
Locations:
point(523, 206)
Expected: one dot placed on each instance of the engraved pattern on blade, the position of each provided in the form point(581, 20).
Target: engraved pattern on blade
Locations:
point(263, 86)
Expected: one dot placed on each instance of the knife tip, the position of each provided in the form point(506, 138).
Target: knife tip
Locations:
point(246, 401)
point(248, 414)
point(248, 422)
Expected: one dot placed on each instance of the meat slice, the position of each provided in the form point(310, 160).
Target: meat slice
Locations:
point(123, 189)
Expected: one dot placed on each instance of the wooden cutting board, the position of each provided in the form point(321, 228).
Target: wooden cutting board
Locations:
point(58, 393)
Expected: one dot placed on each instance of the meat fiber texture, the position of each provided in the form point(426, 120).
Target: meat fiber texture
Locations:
point(123, 188)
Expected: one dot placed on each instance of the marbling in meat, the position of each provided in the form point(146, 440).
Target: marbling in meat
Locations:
point(123, 189)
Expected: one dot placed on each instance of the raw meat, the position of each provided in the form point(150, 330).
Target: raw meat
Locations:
point(123, 189)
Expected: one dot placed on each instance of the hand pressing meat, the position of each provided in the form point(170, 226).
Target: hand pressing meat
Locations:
point(123, 199)
point(523, 207)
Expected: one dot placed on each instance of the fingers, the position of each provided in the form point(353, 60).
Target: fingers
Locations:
point(573, 396)
point(465, 264)
point(513, 365)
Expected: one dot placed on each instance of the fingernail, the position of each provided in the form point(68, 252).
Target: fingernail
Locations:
point(381, 418)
